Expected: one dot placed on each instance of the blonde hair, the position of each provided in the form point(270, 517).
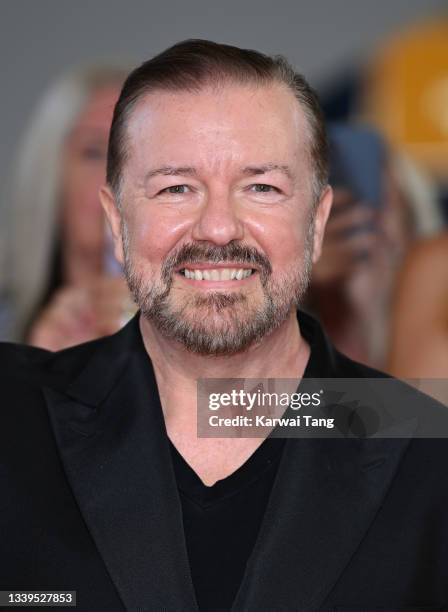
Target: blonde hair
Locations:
point(34, 194)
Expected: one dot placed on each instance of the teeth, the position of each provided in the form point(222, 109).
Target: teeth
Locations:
point(218, 274)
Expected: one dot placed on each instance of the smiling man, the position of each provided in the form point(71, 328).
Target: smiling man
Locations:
point(221, 203)
point(217, 197)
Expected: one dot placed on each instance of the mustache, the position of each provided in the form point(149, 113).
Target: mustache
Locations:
point(199, 253)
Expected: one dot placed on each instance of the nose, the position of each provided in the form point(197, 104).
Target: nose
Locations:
point(218, 221)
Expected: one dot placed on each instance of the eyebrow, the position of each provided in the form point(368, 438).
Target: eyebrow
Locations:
point(255, 170)
point(190, 171)
point(171, 171)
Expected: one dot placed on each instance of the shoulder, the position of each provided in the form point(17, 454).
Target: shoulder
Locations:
point(398, 408)
point(28, 365)
point(348, 368)
point(27, 369)
point(27, 373)
point(374, 402)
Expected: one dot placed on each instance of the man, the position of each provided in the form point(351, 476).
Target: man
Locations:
point(217, 197)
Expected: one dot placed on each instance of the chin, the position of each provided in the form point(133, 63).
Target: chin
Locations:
point(219, 310)
point(218, 324)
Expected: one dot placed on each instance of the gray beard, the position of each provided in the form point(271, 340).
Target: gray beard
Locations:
point(218, 323)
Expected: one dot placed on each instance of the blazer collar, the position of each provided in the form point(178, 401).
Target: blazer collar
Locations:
point(325, 497)
point(111, 436)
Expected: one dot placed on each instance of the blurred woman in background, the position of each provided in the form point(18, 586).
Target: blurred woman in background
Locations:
point(363, 250)
point(55, 274)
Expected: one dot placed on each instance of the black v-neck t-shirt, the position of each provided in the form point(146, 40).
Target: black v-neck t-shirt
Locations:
point(221, 522)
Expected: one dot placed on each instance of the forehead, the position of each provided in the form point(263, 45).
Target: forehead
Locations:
point(217, 127)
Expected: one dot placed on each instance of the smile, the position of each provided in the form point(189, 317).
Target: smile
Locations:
point(217, 274)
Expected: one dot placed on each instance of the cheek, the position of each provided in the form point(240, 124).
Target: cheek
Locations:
point(282, 238)
point(153, 237)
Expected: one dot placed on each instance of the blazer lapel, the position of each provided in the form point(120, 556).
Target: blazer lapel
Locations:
point(111, 436)
point(325, 496)
point(324, 499)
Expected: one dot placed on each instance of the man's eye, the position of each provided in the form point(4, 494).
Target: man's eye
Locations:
point(176, 189)
point(262, 188)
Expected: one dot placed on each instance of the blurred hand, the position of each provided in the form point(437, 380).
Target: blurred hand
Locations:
point(350, 240)
point(78, 314)
point(351, 283)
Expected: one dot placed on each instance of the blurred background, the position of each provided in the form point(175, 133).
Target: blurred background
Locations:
point(381, 70)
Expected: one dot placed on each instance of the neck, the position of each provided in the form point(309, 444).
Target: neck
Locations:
point(281, 354)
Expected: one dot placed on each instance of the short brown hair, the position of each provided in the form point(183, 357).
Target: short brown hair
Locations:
point(191, 64)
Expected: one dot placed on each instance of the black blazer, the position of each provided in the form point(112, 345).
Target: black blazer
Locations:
point(88, 498)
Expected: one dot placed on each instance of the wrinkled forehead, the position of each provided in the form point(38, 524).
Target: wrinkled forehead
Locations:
point(218, 125)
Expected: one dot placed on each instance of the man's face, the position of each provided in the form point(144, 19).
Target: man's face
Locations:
point(217, 229)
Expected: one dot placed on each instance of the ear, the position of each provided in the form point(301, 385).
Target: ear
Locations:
point(320, 221)
point(113, 216)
